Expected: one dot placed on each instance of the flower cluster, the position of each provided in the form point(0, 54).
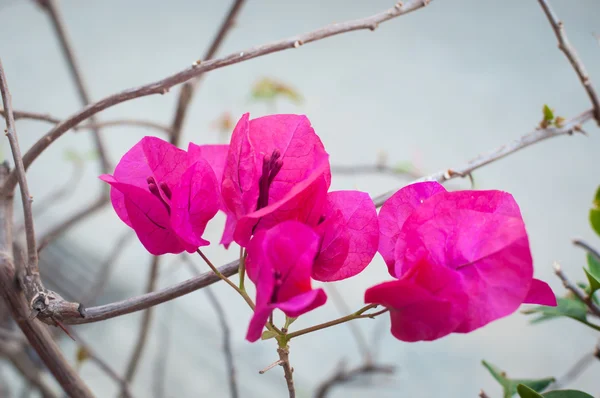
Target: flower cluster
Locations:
point(460, 259)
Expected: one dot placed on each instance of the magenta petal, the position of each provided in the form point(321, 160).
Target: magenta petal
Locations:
point(394, 213)
point(194, 203)
point(303, 303)
point(540, 293)
point(258, 322)
point(150, 220)
point(215, 155)
point(350, 242)
point(301, 149)
point(240, 175)
point(301, 204)
point(230, 223)
point(117, 199)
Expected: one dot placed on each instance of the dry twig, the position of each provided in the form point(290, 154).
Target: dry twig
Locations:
point(187, 90)
point(284, 356)
point(575, 290)
point(571, 54)
point(196, 69)
point(66, 46)
point(345, 376)
point(144, 326)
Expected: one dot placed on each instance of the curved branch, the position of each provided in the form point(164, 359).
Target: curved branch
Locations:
point(196, 69)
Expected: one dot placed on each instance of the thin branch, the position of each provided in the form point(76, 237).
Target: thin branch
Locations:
point(342, 376)
point(575, 371)
point(568, 128)
point(187, 91)
point(31, 267)
point(482, 394)
point(72, 220)
point(225, 331)
point(571, 54)
point(12, 335)
point(196, 69)
point(36, 333)
point(58, 24)
point(593, 252)
point(575, 290)
point(74, 314)
point(160, 362)
point(25, 366)
point(144, 326)
point(42, 117)
point(102, 364)
point(375, 169)
point(106, 268)
point(284, 356)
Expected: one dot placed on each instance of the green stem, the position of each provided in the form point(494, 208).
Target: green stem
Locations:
point(242, 269)
point(226, 279)
point(356, 315)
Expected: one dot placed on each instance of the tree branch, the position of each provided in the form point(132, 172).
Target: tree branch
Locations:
point(144, 327)
point(196, 69)
point(587, 300)
point(585, 246)
point(67, 48)
point(568, 127)
point(98, 125)
point(571, 54)
point(31, 267)
point(36, 333)
point(375, 169)
point(284, 357)
point(342, 376)
point(187, 91)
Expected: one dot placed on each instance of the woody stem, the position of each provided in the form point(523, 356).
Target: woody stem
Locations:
point(242, 269)
point(356, 315)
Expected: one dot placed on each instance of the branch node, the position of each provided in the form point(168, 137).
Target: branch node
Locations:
point(297, 43)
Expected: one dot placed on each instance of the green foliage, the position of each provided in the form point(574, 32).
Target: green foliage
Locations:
point(267, 89)
point(268, 334)
point(594, 281)
point(550, 118)
point(510, 385)
point(595, 212)
point(526, 392)
point(569, 307)
point(548, 113)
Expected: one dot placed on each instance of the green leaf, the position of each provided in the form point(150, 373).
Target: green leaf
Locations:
point(526, 392)
point(594, 265)
point(510, 385)
point(569, 307)
point(594, 282)
point(566, 394)
point(268, 334)
point(595, 212)
point(267, 89)
point(548, 114)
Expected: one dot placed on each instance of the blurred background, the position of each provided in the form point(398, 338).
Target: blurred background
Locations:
point(427, 91)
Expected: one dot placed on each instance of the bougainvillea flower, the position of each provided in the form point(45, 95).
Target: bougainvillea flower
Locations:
point(272, 158)
point(165, 195)
point(279, 262)
point(278, 170)
point(440, 244)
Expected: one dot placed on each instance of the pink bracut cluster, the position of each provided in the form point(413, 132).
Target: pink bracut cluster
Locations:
point(460, 259)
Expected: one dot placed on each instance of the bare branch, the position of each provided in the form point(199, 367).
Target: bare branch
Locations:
point(72, 220)
point(225, 331)
point(36, 333)
point(98, 125)
point(106, 268)
point(187, 91)
point(196, 69)
point(284, 356)
point(571, 54)
point(25, 366)
point(32, 257)
point(375, 169)
point(58, 24)
point(102, 364)
point(575, 290)
point(144, 326)
point(569, 127)
point(576, 370)
point(593, 252)
point(342, 376)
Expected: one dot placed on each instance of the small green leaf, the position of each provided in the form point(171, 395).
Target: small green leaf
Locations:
point(595, 212)
point(268, 334)
point(594, 265)
point(548, 114)
point(510, 385)
point(569, 307)
point(594, 282)
point(267, 89)
point(566, 394)
point(526, 392)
